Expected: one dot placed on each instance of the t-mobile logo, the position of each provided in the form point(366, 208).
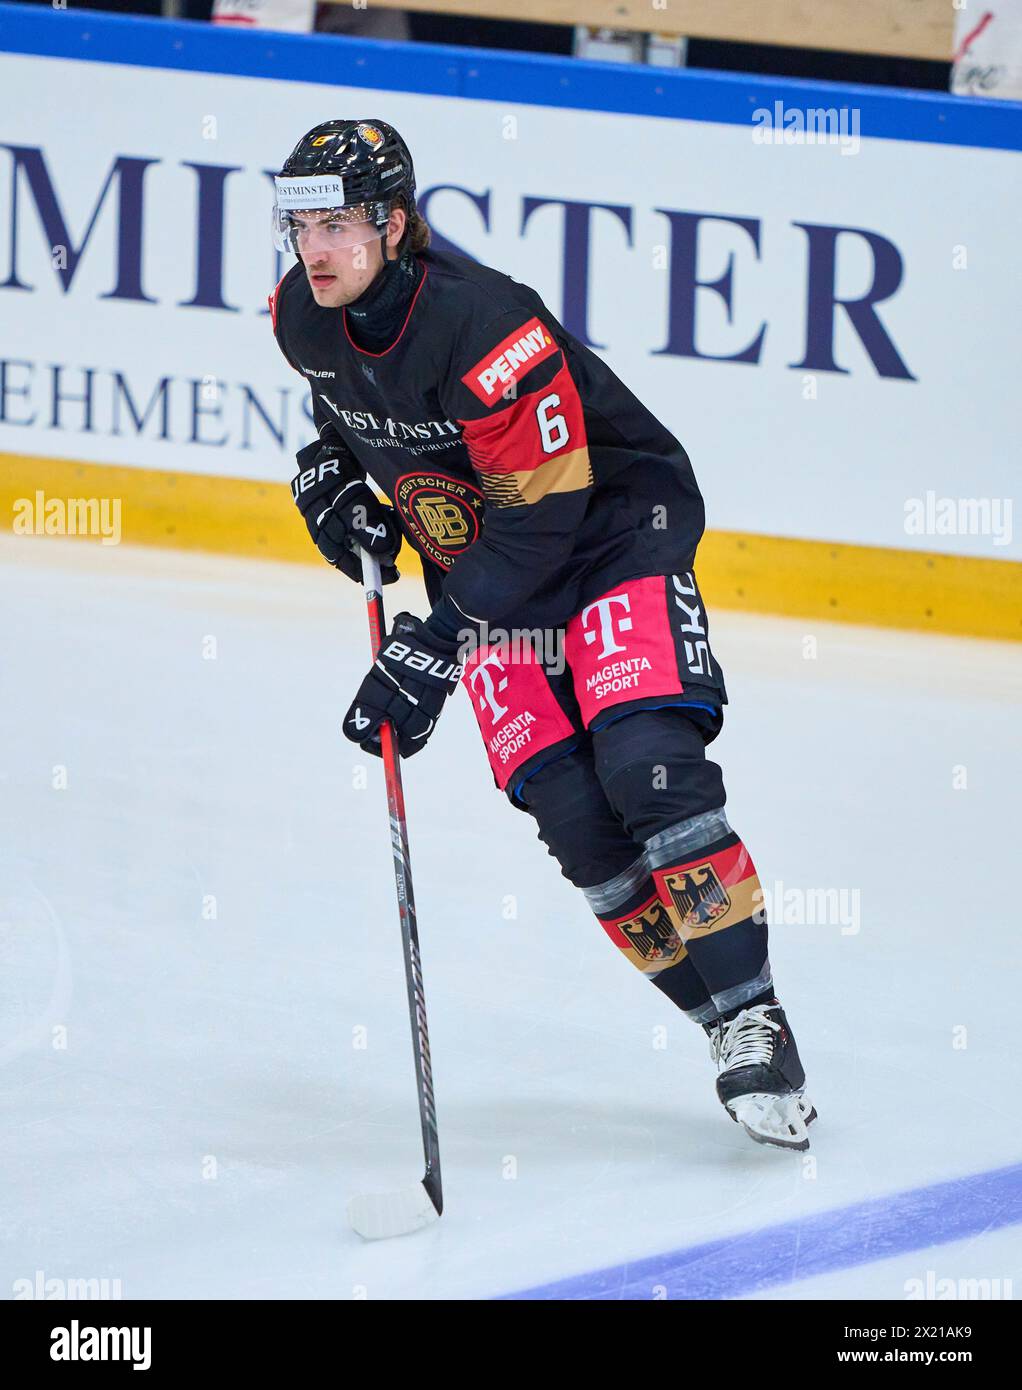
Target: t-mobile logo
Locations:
point(697, 649)
point(490, 688)
point(606, 619)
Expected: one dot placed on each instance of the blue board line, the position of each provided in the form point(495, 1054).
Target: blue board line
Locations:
point(511, 78)
point(819, 1244)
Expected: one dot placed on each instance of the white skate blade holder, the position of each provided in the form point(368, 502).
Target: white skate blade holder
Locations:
point(773, 1119)
point(383, 1215)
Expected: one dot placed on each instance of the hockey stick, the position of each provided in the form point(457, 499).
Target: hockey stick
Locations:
point(376, 1216)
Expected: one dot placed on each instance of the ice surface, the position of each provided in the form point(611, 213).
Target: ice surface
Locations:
point(226, 1083)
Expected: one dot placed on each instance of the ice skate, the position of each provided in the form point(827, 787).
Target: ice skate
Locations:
point(761, 1082)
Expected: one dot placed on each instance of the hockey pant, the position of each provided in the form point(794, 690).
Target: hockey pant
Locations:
point(607, 751)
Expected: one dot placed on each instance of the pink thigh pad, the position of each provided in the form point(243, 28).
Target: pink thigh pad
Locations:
point(516, 709)
point(621, 647)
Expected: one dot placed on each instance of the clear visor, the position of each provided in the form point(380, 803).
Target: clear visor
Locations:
point(308, 231)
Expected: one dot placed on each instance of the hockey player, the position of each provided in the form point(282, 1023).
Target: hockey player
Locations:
point(544, 499)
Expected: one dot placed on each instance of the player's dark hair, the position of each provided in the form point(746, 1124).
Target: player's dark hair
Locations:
point(417, 233)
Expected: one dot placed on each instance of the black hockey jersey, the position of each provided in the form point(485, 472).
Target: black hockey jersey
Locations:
point(525, 473)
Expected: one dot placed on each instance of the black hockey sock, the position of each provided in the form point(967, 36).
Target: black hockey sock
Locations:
point(685, 987)
point(630, 912)
point(708, 883)
point(584, 833)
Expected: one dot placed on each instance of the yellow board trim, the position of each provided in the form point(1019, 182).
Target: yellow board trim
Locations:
point(919, 590)
point(916, 589)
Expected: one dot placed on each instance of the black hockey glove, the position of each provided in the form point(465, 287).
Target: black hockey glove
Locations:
point(342, 511)
point(408, 685)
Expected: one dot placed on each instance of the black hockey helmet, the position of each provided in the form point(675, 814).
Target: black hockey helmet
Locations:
point(344, 164)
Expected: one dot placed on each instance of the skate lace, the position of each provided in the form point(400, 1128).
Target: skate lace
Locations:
point(748, 1038)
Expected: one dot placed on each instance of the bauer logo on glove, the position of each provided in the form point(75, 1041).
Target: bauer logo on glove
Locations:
point(408, 685)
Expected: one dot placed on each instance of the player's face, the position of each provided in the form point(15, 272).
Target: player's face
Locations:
point(342, 258)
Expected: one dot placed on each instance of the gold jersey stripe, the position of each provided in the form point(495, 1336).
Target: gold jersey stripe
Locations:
point(565, 473)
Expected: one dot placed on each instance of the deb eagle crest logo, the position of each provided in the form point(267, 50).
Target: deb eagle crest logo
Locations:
point(699, 896)
point(507, 363)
